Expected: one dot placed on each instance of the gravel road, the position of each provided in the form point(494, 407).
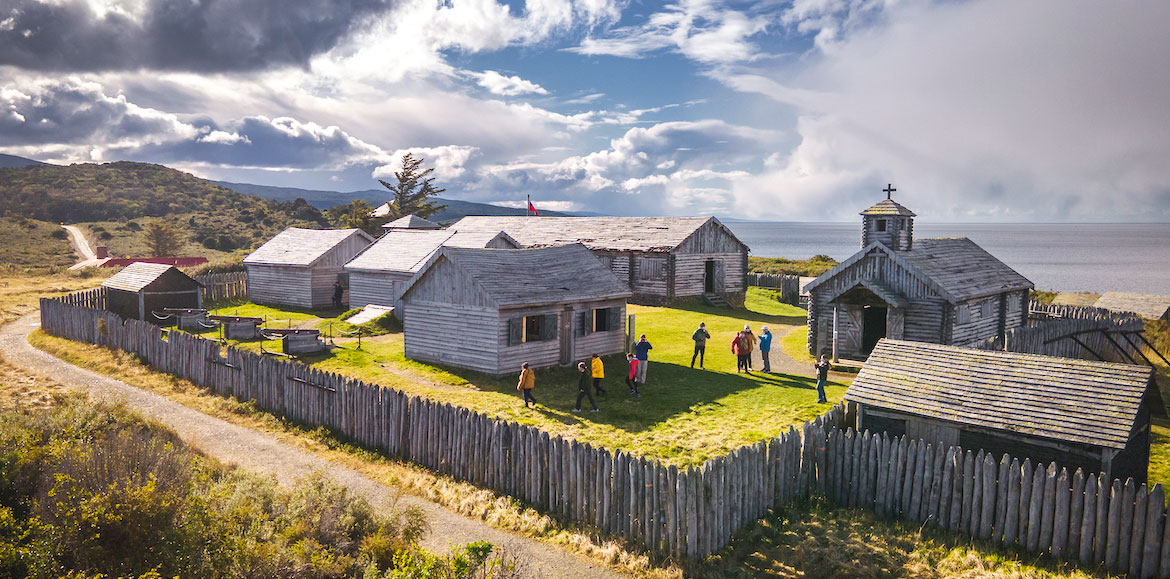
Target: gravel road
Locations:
point(262, 453)
point(80, 245)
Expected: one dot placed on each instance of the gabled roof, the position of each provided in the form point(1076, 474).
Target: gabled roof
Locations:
point(888, 207)
point(408, 250)
point(613, 233)
point(881, 290)
point(137, 276)
point(548, 275)
point(958, 269)
point(1151, 306)
point(1067, 399)
point(301, 247)
point(411, 221)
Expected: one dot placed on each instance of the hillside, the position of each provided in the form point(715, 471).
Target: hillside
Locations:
point(455, 210)
point(8, 161)
point(28, 244)
point(116, 200)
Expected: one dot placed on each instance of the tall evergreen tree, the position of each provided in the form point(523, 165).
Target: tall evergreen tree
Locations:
point(412, 190)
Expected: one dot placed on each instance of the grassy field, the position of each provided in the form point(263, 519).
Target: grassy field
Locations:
point(684, 416)
point(28, 245)
point(804, 267)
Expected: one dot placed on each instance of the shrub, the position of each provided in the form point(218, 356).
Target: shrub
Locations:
point(59, 234)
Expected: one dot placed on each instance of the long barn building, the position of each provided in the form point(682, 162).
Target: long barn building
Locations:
point(298, 267)
point(660, 259)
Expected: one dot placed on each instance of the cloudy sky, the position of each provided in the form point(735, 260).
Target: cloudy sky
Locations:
point(800, 110)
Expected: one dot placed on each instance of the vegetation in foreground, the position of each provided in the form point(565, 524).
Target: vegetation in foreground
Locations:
point(90, 489)
point(812, 267)
point(684, 416)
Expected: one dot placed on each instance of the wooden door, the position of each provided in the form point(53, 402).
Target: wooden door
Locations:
point(720, 275)
point(709, 276)
point(850, 334)
point(567, 337)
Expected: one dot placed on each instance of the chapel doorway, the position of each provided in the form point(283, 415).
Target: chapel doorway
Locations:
point(873, 327)
point(709, 277)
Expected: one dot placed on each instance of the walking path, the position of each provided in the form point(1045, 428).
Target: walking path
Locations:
point(265, 454)
point(80, 245)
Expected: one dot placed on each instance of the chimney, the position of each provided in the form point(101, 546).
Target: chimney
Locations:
point(102, 252)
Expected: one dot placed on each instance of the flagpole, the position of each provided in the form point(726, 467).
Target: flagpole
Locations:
point(528, 209)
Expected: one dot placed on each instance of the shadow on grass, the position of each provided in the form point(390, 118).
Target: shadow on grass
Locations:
point(743, 314)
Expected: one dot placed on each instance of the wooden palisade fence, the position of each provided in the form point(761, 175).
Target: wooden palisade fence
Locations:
point(789, 285)
point(1073, 332)
point(222, 287)
point(690, 512)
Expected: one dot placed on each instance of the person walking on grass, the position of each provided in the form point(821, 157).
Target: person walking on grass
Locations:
point(583, 388)
point(642, 353)
point(737, 350)
point(700, 337)
point(630, 381)
point(749, 344)
point(765, 347)
point(526, 384)
point(598, 368)
point(822, 367)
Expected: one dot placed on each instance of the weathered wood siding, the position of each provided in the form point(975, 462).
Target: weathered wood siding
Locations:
point(603, 343)
point(974, 320)
point(298, 286)
point(452, 334)
point(651, 272)
point(383, 289)
point(446, 284)
point(691, 272)
point(547, 353)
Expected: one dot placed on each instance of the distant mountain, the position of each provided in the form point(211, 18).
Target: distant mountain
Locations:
point(12, 161)
point(454, 211)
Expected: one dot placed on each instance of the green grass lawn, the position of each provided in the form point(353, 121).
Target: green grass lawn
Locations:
point(684, 416)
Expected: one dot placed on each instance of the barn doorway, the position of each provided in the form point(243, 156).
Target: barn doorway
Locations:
point(873, 327)
point(709, 277)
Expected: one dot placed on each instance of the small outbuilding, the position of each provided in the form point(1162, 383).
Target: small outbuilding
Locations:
point(662, 260)
point(298, 267)
point(944, 291)
point(490, 310)
point(1150, 306)
point(143, 288)
point(1077, 413)
point(380, 274)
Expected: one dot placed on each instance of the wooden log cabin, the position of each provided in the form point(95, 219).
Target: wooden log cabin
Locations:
point(1150, 306)
point(1078, 413)
point(944, 291)
point(381, 273)
point(660, 259)
point(490, 310)
point(299, 266)
point(143, 288)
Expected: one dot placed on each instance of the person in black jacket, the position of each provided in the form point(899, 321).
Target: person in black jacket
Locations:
point(338, 291)
point(822, 367)
point(583, 383)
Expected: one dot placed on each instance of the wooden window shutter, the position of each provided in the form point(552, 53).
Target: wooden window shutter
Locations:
point(548, 327)
point(613, 319)
point(584, 322)
point(515, 331)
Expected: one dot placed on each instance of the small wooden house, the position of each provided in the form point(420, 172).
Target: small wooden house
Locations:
point(411, 221)
point(143, 288)
point(490, 310)
point(1077, 413)
point(1151, 306)
point(381, 273)
point(299, 266)
point(660, 259)
point(944, 291)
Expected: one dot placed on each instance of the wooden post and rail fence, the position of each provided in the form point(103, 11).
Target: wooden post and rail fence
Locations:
point(680, 512)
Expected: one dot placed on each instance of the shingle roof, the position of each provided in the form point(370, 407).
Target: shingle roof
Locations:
point(1081, 401)
point(411, 221)
point(407, 250)
point(615, 233)
point(512, 277)
point(1152, 306)
point(301, 247)
point(136, 276)
point(888, 207)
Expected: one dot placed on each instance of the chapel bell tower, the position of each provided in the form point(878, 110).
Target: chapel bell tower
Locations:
point(889, 223)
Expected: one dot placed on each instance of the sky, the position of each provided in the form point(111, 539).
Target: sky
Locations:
point(794, 110)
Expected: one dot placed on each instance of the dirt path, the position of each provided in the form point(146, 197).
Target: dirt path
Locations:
point(263, 453)
point(80, 245)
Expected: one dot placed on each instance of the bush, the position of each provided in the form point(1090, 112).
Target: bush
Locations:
point(59, 234)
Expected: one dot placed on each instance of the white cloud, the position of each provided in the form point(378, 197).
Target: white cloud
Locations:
point(448, 160)
point(541, 205)
point(497, 83)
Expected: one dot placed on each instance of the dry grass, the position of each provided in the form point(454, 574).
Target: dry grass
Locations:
point(20, 292)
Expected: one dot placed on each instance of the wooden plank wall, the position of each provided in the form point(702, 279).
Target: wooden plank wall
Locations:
point(223, 287)
point(688, 512)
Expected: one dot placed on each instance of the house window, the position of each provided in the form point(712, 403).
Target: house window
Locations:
point(881, 225)
point(964, 314)
point(599, 320)
point(525, 329)
point(985, 309)
point(652, 268)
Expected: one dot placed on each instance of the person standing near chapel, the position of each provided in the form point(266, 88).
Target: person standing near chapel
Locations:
point(822, 367)
point(598, 371)
point(737, 350)
point(526, 384)
point(766, 347)
point(700, 337)
point(583, 388)
point(748, 344)
point(642, 353)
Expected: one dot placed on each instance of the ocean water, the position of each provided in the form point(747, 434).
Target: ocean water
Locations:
point(1094, 257)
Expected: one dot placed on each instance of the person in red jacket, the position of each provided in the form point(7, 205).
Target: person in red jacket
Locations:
point(630, 381)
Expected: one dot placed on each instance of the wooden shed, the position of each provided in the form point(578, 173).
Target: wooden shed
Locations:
point(660, 259)
point(1078, 413)
point(944, 291)
point(142, 288)
point(381, 273)
point(299, 266)
point(490, 310)
point(1151, 306)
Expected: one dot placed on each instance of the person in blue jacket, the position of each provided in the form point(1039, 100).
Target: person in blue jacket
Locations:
point(642, 353)
point(766, 347)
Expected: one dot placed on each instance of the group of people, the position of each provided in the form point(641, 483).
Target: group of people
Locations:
point(744, 343)
point(590, 376)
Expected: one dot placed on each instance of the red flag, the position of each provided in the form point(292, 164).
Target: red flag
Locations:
point(532, 208)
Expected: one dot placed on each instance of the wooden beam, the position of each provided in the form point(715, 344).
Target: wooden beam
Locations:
point(1147, 342)
point(1118, 347)
point(1136, 348)
point(1086, 346)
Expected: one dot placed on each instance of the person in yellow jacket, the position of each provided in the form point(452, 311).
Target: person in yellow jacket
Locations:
point(598, 373)
point(526, 384)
